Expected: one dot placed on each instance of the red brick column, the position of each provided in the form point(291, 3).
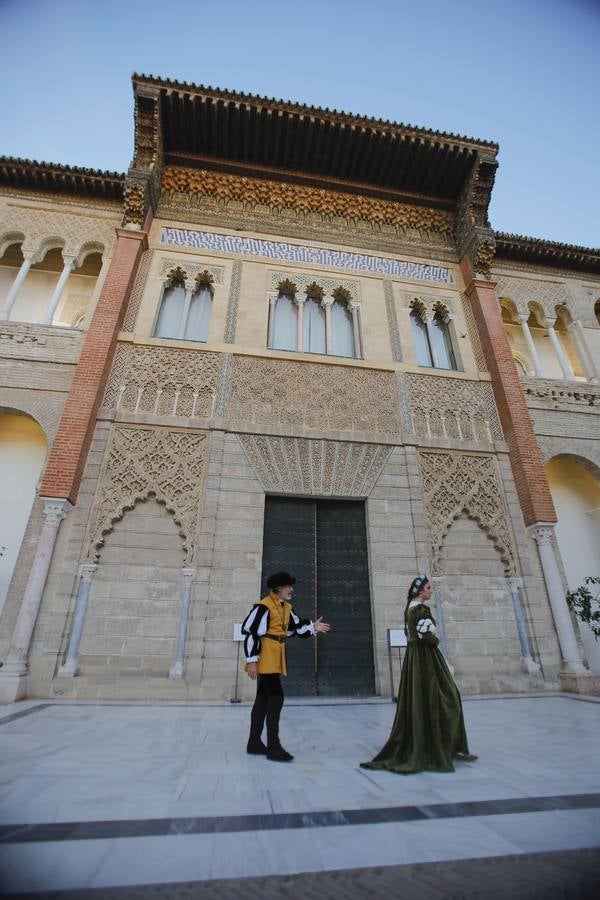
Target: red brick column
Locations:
point(525, 457)
point(64, 470)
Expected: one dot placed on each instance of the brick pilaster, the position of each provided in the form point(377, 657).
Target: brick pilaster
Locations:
point(525, 457)
point(64, 470)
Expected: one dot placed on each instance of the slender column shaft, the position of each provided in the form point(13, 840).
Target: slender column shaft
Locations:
point(537, 366)
point(572, 662)
point(563, 360)
point(300, 301)
point(69, 669)
point(529, 664)
point(16, 287)
point(185, 312)
point(57, 293)
point(176, 671)
point(327, 303)
point(16, 661)
point(354, 307)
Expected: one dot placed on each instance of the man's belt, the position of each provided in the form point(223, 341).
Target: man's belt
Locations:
point(274, 637)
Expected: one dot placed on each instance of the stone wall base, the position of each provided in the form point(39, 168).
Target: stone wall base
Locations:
point(13, 688)
point(580, 684)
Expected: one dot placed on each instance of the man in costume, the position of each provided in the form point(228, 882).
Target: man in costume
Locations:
point(266, 627)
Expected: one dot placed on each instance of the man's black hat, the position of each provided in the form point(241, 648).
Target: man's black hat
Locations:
point(280, 579)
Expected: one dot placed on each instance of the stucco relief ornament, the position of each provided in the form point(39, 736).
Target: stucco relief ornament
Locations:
point(134, 205)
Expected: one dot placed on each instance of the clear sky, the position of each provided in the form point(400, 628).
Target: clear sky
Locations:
point(525, 73)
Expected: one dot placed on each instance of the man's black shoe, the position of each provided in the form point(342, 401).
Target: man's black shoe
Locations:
point(257, 748)
point(278, 754)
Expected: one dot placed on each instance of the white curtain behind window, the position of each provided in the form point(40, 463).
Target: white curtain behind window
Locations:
point(314, 327)
point(286, 324)
point(343, 333)
point(170, 313)
point(199, 316)
point(419, 330)
point(440, 337)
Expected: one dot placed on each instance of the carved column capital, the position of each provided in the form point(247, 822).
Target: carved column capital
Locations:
point(542, 533)
point(87, 572)
point(55, 511)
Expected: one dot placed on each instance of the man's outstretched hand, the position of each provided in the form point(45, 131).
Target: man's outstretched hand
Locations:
point(322, 626)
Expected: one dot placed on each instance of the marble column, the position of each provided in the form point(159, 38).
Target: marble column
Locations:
point(69, 668)
point(300, 301)
point(15, 667)
point(327, 303)
point(529, 664)
point(578, 334)
point(563, 360)
point(16, 285)
point(69, 265)
point(535, 359)
point(572, 662)
point(354, 310)
point(272, 304)
point(176, 671)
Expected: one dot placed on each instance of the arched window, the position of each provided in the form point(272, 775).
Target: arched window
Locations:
point(198, 320)
point(285, 323)
point(314, 327)
point(342, 330)
point(171, 311)
point(442, 350)
point(597, 310)
point(421, 338)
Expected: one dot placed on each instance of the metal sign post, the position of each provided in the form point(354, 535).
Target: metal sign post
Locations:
point(238, 637)
point(395, 638)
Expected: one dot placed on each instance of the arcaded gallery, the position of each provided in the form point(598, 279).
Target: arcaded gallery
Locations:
point(288, 338)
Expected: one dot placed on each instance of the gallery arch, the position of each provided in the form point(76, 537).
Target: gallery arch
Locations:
point(575, 487)
point(23, 450)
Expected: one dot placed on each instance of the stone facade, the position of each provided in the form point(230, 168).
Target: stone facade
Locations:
point(167, 448)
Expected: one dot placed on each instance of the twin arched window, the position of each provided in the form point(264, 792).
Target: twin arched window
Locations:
point(184, 313)
point(433, 343)
point(302, 325)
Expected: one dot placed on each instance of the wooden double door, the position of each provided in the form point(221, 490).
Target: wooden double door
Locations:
point(323, 543)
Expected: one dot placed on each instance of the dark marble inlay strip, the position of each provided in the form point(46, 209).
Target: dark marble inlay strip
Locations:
point(129, 828)
point(25, 712)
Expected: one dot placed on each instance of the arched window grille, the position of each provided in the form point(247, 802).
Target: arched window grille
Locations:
point(342, 330)
point(171, 309)
point(285, 323)
point(421, 338)
point(198, 319)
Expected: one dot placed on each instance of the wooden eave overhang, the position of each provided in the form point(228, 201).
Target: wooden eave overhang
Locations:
point(28, 174)
point(517, 248)
point(210, 127)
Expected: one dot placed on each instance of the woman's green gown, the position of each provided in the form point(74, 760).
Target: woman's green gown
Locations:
point(429, 728)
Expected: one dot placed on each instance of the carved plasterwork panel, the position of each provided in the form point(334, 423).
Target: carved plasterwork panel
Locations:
point(453, 408)
point(340, 398)
point(162, 381)
point(216, 191)
point(464, 483)
point(325, 468)
point(141, 461)
point(43, 226)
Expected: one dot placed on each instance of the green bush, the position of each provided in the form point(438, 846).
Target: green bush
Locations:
point(585, 605)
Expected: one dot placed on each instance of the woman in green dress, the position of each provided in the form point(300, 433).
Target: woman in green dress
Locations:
point(429, 729)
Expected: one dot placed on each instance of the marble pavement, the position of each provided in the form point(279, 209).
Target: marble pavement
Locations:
point(115, 793)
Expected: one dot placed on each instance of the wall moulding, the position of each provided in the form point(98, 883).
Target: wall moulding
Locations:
point(457, 484)
point(186, 187)
point(143, 461)
point(162, 381)
point(545, 393)
point(313, 395)
point(292, 465)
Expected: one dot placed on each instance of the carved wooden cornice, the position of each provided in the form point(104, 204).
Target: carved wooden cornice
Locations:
point(277, 196)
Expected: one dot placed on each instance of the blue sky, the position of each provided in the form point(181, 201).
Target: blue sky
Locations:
point(525, 73)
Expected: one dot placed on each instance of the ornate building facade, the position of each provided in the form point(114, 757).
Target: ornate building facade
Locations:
point(289, 338)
